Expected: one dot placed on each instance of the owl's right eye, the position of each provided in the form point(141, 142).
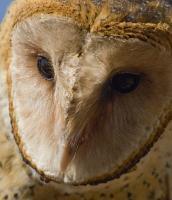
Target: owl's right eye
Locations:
point(45, 68)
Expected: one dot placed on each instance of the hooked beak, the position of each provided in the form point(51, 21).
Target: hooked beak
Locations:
point(69, 150)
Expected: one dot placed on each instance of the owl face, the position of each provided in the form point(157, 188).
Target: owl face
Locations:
point(86, 107)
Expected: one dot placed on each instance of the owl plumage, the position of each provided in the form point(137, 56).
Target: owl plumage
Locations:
point(83, 109)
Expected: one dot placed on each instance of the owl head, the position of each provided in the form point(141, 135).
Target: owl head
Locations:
point(89, 82)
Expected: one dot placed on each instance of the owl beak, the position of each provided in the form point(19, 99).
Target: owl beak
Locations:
point(68, 152)
point(67, 155)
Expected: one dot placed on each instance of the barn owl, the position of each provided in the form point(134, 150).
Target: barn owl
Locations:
point(89, 88)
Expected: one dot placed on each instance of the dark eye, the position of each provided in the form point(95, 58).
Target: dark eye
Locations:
point(125, 82)
point(45, 68)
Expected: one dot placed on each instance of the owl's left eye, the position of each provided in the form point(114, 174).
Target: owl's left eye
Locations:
point(45, 68)
point(125, 82)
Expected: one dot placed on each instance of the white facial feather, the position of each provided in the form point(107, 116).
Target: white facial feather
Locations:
point(105, 132)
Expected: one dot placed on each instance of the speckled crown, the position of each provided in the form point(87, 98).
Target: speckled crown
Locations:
point(108, 17)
